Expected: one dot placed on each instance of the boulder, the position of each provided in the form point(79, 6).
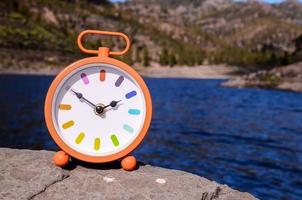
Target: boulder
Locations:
point(27, 174)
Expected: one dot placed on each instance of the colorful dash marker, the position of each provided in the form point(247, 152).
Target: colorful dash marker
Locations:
point(97, 142)
point(68, 124)
point(64, 107)
point(131, 94)
point(85, 78)
point(114, 140)
point(119, 81)
point(128, 128)
point(80, 137)
point(134, 111)
point(102, 75)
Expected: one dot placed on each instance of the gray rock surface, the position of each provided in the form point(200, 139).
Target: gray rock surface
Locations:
point(27, 174)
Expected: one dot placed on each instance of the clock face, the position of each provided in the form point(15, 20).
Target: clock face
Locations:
point(98, 109)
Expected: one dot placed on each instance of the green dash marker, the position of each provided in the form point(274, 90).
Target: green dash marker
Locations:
point(114, 140)
point(128, 128)
point(80, 138)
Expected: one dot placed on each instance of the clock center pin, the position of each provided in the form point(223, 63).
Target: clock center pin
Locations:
point(99, 109)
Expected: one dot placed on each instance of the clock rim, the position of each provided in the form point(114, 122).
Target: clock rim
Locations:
point(48, 110)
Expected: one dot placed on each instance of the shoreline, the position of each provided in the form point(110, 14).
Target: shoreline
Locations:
point(197, 72)
point(277, 79)
point(285, 78)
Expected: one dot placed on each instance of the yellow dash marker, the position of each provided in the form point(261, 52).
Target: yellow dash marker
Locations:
point(97, 142)
point(64, 107)
point(80, 137)
point(68, 124)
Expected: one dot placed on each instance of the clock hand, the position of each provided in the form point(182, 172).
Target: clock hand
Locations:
point(80, 96)
point(100, 108)
point(112, 104)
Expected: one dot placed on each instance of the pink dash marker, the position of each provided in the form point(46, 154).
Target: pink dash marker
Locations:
point(85, 78)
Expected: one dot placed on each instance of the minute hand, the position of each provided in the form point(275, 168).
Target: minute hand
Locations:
point(80, 96)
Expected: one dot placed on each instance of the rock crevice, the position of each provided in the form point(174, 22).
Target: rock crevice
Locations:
point(63, 177)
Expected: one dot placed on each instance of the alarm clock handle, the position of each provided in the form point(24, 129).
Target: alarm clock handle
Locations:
point(103, 51)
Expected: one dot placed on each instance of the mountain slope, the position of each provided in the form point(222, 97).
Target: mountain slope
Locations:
point(174, 32)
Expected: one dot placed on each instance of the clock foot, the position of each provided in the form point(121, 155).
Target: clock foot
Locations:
point(128, 163)
point(61, 158)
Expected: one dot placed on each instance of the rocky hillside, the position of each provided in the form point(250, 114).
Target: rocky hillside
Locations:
point(172, 32)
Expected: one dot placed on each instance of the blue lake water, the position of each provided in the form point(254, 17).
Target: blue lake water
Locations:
point(250, 139)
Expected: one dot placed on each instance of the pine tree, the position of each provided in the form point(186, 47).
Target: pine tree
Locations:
point(172, 60)
point(298, 43)
point(163, 57)
point(146, 58)
point(137, 56)
point(127, 58)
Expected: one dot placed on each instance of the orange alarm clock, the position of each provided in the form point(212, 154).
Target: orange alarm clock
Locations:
point(98, 109)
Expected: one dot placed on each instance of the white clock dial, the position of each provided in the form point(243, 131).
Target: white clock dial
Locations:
point(105, 133)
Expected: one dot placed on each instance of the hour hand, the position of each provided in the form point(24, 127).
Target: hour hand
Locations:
point(80, 96)
point(112, 104)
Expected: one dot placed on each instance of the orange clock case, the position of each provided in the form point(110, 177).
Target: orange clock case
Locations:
point(102, 58)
